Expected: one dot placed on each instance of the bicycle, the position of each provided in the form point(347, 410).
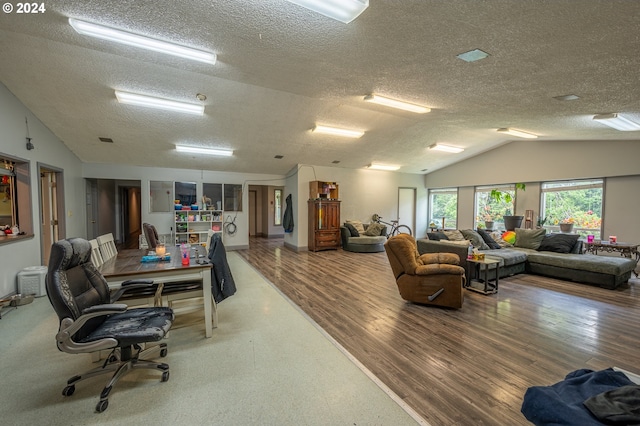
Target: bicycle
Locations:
point(395, 228)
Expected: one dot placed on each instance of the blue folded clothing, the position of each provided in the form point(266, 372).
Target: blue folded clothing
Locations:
point(156, 258)
point(562, 403)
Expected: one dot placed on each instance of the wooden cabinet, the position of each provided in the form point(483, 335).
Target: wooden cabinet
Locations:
point(324, 225)
point(320, 190)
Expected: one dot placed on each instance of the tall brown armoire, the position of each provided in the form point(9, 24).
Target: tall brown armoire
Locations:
point(324, 216)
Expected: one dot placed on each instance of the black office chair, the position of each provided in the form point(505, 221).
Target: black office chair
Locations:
point(151, 235)
point(90, 321)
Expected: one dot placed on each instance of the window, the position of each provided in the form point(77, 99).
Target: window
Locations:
point(232, 197)
point(15, 194)
point(277, 214)
point(578, 202)
point(489, 210)
point(443, 205)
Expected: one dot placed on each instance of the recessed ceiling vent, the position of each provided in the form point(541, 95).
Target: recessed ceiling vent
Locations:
point(279, 157)
point(107, 140)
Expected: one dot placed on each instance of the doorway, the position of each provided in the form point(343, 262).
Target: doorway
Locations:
point(407, 207)
point(51, 200)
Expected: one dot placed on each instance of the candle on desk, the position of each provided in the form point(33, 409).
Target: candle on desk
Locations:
point(161, 250)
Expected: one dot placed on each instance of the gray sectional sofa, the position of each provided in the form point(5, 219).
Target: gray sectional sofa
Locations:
point(605, 271)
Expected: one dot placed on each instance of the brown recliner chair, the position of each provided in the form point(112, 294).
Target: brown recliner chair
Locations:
point(433, 278)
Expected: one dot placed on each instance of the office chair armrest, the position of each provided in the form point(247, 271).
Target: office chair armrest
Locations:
point(131, 285)
point(69, 327)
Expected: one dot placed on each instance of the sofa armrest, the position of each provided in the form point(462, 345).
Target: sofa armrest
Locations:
point(344, 235)
point(439, 269)
point(431, 246)
point(445, 258)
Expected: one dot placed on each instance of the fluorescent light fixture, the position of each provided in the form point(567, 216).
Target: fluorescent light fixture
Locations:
point(159, 103)
point(130, 39)
point(617, 122)
point(380, 100)
point(518, 133)
point(340, 10)
point(378, 166)
point(338, 132)
point(206, 151)
point(445, 148)
point(473, 55)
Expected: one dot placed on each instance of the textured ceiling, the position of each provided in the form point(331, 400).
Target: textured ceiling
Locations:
point(282, 68)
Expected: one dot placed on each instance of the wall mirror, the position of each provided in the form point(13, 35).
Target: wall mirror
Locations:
point(277, 214)
point(185, 193)
point(161, 196)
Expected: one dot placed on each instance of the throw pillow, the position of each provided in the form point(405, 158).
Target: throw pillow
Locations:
point(488, 240)
point(352, 230)
point(436, 236)
point(497, 237)
point(559, 243)
point(529, 238)
point(454, 235)
point(373, 230)
point(509, 237)
point(475, 238)
point(358, 225)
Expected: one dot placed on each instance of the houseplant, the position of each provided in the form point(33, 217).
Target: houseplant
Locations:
point(511, 222)
point(566, 226)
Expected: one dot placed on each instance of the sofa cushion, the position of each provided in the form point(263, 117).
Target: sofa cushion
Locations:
point(475, 238)
point(529, 238)
point(558, 243)
point(358, 225)
point(454, 235)
point(488, 240)
point(436, 236)
point(509, 256)
point(373, 230)
point(364, 239)
point(352, 229)
point(584, 262)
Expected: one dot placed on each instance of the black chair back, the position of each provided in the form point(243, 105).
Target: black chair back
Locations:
point(73, 283)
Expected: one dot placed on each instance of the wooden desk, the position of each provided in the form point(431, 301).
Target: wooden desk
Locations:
point(127, 266)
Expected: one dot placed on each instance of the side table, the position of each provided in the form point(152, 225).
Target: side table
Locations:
point(490, 286)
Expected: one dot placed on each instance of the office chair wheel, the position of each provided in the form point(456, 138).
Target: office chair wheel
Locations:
point(102, 405)
point(165, 376)
point(69, 390)
point(163, 353)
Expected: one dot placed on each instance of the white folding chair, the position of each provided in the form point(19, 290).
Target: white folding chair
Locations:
point(96, 257)
point(107, 246)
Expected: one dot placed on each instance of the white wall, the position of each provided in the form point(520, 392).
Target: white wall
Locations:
point(362, 192)
point(533, 162)
point(164, 221)
point(49, 150)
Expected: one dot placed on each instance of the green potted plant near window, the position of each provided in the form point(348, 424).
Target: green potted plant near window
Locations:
point(511, 222)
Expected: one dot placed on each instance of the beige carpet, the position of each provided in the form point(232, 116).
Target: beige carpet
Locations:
point(266, 364)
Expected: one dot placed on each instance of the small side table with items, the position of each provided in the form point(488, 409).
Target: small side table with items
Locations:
point(475, 280)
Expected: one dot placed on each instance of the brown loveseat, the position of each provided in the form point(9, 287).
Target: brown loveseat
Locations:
point(433, 279)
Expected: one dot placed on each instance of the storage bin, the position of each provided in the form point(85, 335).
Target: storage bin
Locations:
point(31, 280)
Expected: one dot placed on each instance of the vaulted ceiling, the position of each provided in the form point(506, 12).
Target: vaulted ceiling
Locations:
point(282, 69)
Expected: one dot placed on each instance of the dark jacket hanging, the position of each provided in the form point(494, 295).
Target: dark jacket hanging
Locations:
point(287, 222)
point(222, 284)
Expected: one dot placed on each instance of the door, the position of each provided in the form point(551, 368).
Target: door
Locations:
point(51, 209)
point(253, 217)
point(92, 208)
point(407, 208)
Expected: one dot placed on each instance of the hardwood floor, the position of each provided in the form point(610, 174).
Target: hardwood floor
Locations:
point(465, 367)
